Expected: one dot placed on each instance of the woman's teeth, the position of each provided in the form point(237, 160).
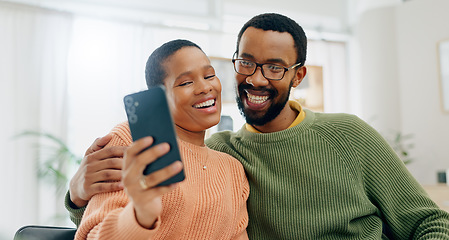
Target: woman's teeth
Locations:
point(256, 99)
point(207, 103)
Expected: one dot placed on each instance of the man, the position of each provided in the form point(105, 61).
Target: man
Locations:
point(314, 175)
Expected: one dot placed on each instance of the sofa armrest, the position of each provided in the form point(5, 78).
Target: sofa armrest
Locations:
point(35, 232)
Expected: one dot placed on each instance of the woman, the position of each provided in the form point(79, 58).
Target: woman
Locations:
point(211, 202)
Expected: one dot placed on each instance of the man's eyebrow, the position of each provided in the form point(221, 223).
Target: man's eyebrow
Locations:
point(276, 60)
point(247, 55)
point(270, 60)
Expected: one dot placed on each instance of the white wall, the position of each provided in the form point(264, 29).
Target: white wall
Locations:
point(375, 35)
point(399, 79)
point(420, 25)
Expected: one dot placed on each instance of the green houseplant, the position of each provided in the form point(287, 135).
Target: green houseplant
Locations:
point(401, 143)
point(54, 158)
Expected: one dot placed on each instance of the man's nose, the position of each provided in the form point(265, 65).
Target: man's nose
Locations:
point(257, 79)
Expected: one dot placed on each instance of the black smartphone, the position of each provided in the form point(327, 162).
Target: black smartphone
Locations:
point(149, 115)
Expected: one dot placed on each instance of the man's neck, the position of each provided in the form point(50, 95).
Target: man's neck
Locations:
point(281, 122)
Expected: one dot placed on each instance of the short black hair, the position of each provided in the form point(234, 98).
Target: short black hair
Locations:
point(279, 23)
point(154, 70)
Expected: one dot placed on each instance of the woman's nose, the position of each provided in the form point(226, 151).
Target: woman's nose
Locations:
point(204, 86)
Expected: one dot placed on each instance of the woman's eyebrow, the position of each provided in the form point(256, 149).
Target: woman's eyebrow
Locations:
point(208, 67)
point(186, 73)
point(183, 74)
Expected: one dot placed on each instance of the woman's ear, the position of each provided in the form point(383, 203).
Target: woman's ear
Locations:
point(300, 74)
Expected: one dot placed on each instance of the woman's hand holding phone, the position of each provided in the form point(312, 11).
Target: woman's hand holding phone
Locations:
point(142, 190)
point(149, 115)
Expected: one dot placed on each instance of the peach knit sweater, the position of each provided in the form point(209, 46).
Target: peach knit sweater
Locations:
point(208, 204)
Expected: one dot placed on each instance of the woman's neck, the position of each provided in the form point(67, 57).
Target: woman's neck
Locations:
point(196, 138)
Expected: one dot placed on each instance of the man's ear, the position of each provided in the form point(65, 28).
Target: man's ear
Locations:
point(300, 74)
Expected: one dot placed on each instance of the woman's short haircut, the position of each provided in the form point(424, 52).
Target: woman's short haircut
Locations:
point(154, 71)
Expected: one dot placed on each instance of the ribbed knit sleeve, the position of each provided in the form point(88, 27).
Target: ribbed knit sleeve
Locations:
point(75, 214)
point(403, 203)
point(209, 204)
point(330, 177)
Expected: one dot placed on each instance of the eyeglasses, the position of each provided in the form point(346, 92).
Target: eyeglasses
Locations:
point(269, 71)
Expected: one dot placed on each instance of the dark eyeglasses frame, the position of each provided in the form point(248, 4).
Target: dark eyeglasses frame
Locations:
point(261, 68)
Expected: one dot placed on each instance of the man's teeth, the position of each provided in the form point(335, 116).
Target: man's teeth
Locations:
point(256, 99)
point(207, 103)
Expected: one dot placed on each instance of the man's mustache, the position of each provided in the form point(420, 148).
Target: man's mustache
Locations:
point(244, 86)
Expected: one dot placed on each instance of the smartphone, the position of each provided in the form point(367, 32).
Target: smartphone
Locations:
point(149, 115)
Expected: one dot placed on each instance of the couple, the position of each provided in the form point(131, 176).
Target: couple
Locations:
point(311, 175)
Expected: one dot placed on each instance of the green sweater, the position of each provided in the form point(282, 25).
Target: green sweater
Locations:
point(330, 177)
point(76, 214)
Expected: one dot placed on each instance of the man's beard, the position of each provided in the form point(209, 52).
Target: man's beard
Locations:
point(271, 113)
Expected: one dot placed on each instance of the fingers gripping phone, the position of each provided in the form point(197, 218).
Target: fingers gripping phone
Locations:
point(149, 115)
